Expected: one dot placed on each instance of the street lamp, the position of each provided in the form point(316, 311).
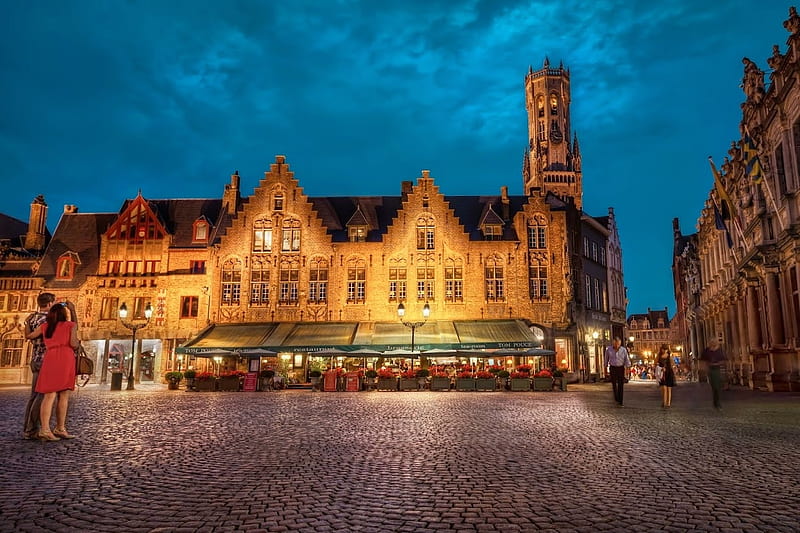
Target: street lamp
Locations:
point(401, 312)
point(133, 326)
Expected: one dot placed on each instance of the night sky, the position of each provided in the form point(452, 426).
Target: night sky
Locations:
point(100, 99)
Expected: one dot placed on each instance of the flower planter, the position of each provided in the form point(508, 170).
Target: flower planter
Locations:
point(440, 383)
point(561, 383)
point(205, 385)
point(189, 383)
point(520, 384)
point(387, 384)
point(173, 385)
point(489, 384)
point(408, 383)
point(229, 383)
point(542, 384)
point(465, 384)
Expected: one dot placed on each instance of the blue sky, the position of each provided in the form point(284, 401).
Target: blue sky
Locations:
point(102, 98)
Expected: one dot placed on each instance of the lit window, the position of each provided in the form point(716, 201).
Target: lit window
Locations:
point(259, 283)
point(454, 283)
point(356, 281)
point(290, 241)
point(397, 284)
point(231, 282)
point(262, 236)
point(537, 232)
point(289, 279)
point(537, 276)
point(318, 281)
point(65, 268)
point(200, 231)
point(495, 289)
point(426, 233)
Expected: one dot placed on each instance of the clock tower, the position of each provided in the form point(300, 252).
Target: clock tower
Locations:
point(552, 163)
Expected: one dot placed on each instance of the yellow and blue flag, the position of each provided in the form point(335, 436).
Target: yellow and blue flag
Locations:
point(727, 209)
point(752, 164)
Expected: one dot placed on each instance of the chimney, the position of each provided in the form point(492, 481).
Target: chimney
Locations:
point(37, 224)
point(505, 200)
point(406, 187)
point(70, 209)
point(231, 198)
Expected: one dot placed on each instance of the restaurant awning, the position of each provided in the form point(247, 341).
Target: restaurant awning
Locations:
point(351, 336)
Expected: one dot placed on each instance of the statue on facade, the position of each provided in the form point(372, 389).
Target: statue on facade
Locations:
point(792, 24)
point(775, 60)
point(753, 81)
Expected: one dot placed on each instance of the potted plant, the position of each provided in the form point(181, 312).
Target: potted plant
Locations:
point(485, 380)
point(502, 376)
point(190, 376)
point(543, 381)
point(440, 381)
point(230, 381)
point(386, 379)
point(173, 379)
point(205, 382)
point(520, 381)
point(465, 381)
point(408, 380)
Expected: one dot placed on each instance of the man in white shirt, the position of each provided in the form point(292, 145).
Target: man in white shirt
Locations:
point(618, 362)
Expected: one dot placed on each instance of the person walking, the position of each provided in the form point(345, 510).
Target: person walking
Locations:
point(617, 361)
point(714, 358)
point(57, 376)
point(32, 324)
point(665, 374)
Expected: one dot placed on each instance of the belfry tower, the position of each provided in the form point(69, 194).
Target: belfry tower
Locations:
point(551, 163)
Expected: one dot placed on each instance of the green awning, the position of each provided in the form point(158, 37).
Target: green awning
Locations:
point(352, 336)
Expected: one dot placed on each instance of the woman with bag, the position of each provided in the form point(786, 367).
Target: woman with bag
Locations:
point(57, 376)
point(665, 374)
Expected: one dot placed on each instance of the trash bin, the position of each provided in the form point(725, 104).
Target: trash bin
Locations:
point(116, 381)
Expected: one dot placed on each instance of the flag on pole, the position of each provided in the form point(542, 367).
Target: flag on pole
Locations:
point(727, 209)
point(752, 164)
point(719, 222)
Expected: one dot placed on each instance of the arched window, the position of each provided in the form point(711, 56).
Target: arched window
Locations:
point(200, 230)
point(426, 233)
point(262, 236)
point(537, 232)
point(318, 281)
point(231, 282)
point(290, 240)
point(495, 279)
point(259, 281)
point(454, 280)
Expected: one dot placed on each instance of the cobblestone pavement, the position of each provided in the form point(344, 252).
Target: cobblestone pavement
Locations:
point(158, 460)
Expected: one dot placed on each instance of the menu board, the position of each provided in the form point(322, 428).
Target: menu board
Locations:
point(250, 381)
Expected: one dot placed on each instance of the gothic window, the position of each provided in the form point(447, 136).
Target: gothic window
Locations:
point(540, 130)
point(495, 282)
point(231, 282)
point(540, 105)
point(426, 281)
point(290, 242)
point(356, 281)
point(537, 232)
point(289, 279)
point(426, 232)
point(397, 284)
point(537, 281)
point(262, 236)
point(259, 282)
point(454, 281)
point(553, 104)
point(318, 281)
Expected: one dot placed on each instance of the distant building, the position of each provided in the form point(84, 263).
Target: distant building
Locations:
point(737, 278)
point(649, 331)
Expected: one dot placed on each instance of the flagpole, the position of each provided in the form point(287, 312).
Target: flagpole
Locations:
point(724, 197)
point(763, 179)
point(732, 248)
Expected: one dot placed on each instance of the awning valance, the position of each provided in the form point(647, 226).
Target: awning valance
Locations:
point(351, 336)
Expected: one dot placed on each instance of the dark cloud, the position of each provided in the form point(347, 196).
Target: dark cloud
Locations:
point(101, 99)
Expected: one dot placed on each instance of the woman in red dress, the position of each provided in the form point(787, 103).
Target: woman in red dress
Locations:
point(57, 376)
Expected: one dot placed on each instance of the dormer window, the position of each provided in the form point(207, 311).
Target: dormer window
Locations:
point(357, 233)
point(200, 230)
point(65, 267)
point(492, 232)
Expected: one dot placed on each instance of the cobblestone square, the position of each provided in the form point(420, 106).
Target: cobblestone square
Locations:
point(158, 460)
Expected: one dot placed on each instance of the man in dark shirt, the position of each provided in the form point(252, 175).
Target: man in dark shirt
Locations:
point(714, 358)
point(32, 323)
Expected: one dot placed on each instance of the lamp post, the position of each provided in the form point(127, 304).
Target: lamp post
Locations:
point(133, 326)
point(401, 312)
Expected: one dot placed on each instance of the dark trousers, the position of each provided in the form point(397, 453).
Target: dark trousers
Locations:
point(617, 382)
point(32, 422)
point(715, 379)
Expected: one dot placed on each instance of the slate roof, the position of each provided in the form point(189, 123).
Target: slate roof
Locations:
point(79, 233)
point(178, 217)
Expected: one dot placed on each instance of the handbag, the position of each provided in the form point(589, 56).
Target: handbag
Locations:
point(84, 366)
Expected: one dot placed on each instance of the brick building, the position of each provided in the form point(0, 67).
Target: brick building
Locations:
point(284, 271)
